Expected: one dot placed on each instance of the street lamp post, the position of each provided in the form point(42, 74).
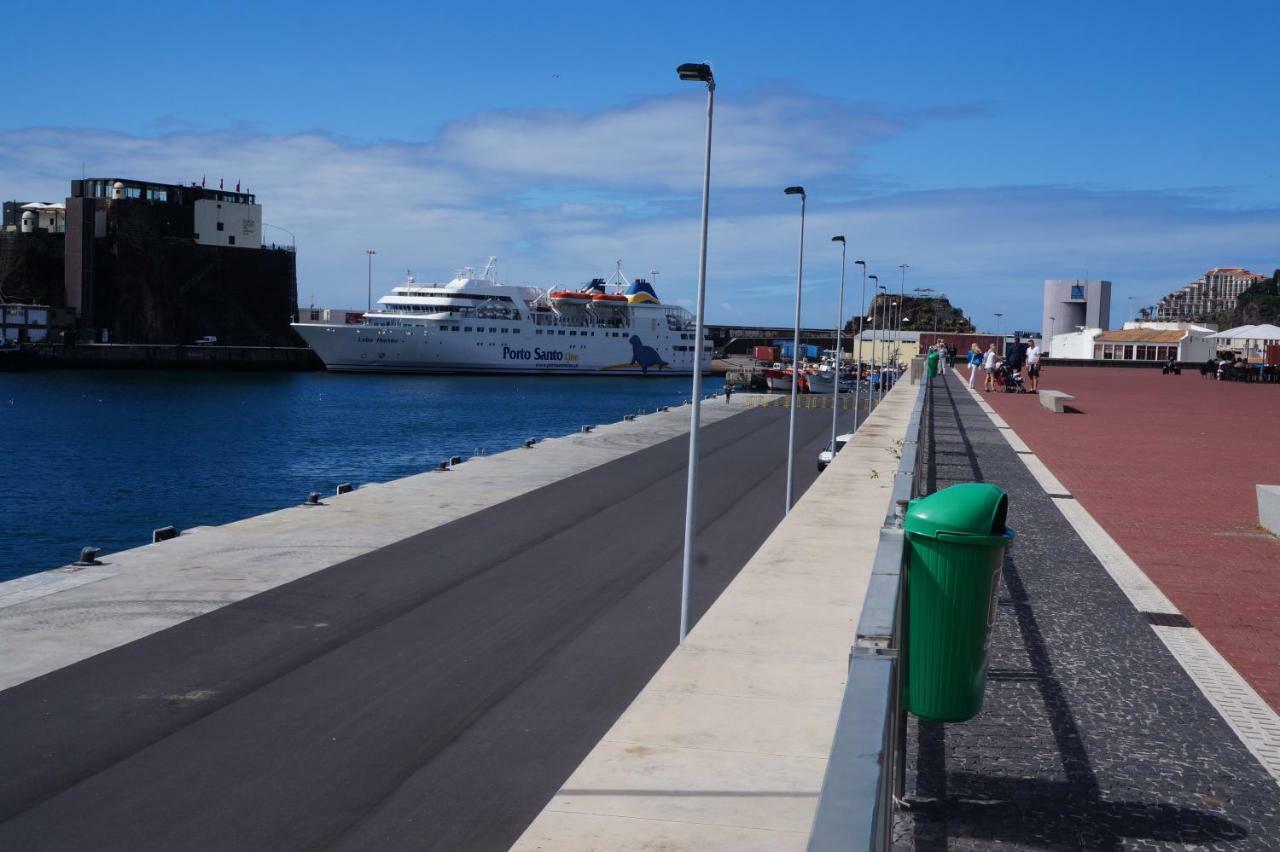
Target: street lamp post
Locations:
point(795, 350)
point(835, 390)
point(857, 358)
point(927, 293)
point(894, 316)
point(875, 334)
point(370, 253)
point(1001, 353)
point(902, 301)
point(884, 335)
point(697, 72)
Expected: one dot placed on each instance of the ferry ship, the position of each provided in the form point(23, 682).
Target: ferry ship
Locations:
point(473, 324)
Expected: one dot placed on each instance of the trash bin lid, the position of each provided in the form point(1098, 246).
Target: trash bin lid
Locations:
point(968, 510)
point(932, 356)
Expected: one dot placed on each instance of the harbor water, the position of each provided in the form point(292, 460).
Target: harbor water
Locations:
point(103, 458)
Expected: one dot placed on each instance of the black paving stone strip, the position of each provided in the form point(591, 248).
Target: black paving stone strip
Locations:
point(1092, 736)
point(433, 694)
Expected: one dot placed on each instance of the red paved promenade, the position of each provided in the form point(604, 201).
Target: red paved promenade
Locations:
point(1168, 464)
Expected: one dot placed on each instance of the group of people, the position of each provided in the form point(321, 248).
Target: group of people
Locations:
point(1237, 369)
point(1019, 357)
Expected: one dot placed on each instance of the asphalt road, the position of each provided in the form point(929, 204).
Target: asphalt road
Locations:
point(433, 694)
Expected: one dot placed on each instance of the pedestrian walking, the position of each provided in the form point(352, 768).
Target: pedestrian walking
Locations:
point(941, 348)
point(728, 391)
point(989, 367)
point(975, 361)
point(1033, 365)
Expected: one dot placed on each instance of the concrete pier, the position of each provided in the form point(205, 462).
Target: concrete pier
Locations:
point(413, 665)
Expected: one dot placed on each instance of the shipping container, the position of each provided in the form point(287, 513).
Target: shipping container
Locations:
point(766, 354)
point(806, 351)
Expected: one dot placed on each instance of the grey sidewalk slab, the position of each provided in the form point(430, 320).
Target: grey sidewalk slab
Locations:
point(1092, 736)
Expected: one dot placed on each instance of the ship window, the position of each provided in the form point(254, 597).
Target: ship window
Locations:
point(219, 226)
point(561, 332)
point(468, 328)
point(538, 331)
point(231, 241)
point(504, 331)
point(493, 330)
point(573, 334)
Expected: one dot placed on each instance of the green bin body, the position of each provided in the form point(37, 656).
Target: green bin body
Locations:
point(931, 365)
point(956, 540)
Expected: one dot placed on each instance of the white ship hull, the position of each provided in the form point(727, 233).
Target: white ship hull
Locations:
point(474, 325)
point(507, 347)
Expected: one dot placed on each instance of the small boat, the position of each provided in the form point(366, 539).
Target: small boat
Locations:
point(570, 296)
point(823, 381)
point(781, 379)
point(777, 380)
point(614, 298)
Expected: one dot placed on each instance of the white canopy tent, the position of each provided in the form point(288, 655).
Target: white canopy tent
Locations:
point(1251, 339)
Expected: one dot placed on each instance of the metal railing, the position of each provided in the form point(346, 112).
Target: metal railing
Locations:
point(866, 772)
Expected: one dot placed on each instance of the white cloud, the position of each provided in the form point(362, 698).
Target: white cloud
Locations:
point(559, 197)
point(777, 138)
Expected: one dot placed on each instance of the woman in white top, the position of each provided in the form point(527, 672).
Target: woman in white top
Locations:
point(989, 367)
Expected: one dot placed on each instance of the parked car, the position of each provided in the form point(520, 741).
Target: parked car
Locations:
point(207, 340)
point(828, 455)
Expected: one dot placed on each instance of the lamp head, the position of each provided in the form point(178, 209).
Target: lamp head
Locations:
point(696, 71)
point(795, 190)
point(862, 263)
point(839, 239)
point(875, 278)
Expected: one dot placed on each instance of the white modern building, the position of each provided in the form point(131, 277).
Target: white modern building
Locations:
point(1137, 341)
point(1073, 304)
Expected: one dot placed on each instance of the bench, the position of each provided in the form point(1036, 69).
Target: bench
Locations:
point(1055, 401)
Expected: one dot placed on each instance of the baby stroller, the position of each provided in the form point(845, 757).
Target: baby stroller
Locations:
point(1010, 380)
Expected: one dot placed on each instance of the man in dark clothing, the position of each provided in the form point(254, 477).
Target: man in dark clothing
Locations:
point(1022, 352)
point(1018, 355)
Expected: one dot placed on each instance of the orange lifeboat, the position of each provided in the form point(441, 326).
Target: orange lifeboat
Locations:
point(570, 297)
point(609, 298)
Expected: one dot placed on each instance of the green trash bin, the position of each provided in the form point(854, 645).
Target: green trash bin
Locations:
point(931, 365)
point(956, 540)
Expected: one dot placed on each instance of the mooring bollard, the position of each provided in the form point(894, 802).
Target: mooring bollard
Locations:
point(88, 556)
point(313, 499)
point(163, 534)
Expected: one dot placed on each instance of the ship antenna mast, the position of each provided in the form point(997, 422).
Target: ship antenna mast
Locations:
point(488, 267)
point(619, 280)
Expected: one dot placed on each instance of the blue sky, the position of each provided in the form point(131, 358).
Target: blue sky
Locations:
point(990, 145)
